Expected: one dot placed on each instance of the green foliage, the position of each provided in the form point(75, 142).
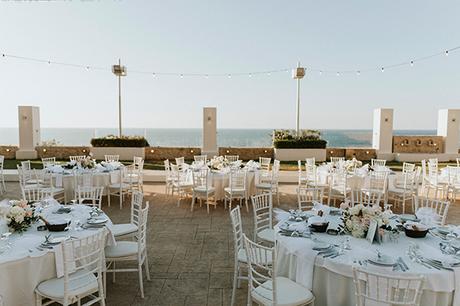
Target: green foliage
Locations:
point(307, 139)
point(123, 141)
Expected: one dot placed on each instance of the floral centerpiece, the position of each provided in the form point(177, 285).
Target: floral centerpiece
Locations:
point(88, 163)
point(218, 163)
point(19, 215)
point(356, 219)
point(351, 165)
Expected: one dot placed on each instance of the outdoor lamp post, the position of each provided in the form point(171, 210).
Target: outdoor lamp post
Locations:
point(119, 71)
point(298, 73)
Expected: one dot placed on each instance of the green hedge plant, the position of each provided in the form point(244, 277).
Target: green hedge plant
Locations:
point(307, 139)
point(123, 141)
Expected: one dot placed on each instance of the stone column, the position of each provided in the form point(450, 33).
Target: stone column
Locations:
point(209, 132)
point(448, 127)
point(382, 136)
point(29, 131)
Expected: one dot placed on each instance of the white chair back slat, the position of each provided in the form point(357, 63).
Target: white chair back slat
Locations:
point(310, 161)
point(48, 162)
point(77, 158)
point(264, 163)
point(376, 163)
point(36, 194)
point(307, 196)
point(438, 207)
point(380, 289)
point(232, 158)
point(90, 195)
point(203, 159)
point(112, 158)
point(262, 205)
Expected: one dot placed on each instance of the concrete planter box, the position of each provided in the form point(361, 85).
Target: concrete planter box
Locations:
point(126, 153)
point(300, 154)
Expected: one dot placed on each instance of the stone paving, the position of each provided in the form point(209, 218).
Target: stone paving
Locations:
point(190, 253)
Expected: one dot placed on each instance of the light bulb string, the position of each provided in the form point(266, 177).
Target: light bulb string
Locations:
point(252, 73)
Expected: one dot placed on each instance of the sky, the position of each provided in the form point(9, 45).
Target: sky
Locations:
point(211, 36)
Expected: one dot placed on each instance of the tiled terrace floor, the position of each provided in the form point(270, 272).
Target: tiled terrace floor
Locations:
point(190, 253)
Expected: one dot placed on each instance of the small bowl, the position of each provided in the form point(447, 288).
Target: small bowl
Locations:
point(57, 227)
point(419, 233)
point(319, 227)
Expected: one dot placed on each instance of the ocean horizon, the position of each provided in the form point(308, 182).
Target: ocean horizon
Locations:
point(192, 137)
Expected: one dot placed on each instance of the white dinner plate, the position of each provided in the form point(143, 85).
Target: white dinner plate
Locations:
point(97, 221)
point(383, 260)
point(320, 245)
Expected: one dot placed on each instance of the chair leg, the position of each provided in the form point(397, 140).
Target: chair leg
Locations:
point(147, 269)
point(108, 197)
point(235, 281)
point(113, 273)
point(141, 284)
point(193, 202)
point(38, 299)
point(247, 206)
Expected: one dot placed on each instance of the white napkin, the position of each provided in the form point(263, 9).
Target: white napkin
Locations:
point(324, 208)
point(59, 180)
point(56, 169)
point(59, 256)
point(428, 216)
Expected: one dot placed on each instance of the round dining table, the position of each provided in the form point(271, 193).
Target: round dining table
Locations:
point(330, 278)
point(24, 263)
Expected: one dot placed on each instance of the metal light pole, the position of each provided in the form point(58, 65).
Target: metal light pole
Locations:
point(298, 74)
point(119, 71)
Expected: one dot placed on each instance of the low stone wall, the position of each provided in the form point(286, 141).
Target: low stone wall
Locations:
point(162, 153)
point(364, 154)
point(334, 152)
point(61, 152)
point(8, 151)
point(418, 144)
point(247, 153)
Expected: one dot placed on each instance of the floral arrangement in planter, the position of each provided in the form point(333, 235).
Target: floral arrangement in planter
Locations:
point(88, 162)
point(307, 139)
point(19, 215)
point(356, 219)
point(117, 141)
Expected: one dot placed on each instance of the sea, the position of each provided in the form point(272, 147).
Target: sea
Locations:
point(193, 136)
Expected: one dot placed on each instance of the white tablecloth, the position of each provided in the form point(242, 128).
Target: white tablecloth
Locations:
point(100, 179)
point(332, 278)
point(23, 267)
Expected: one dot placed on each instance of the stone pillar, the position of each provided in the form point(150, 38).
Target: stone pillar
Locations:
point(209, 132)
point(448, 127)
point(382, 136)
point(29, 131)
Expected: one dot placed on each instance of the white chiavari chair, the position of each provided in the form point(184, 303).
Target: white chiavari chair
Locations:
point(336, 160)
point(135, 174)
point(265, 287)
point(180, 162)
point(2, 177)
point(182, 183)
point(403, 192)
point(433, 181)
point(35, 194)
point(271, 184)
point(338, 188)
point(129, 229)
point(112, 158)
point(424, 175)
point(202, 189)
point(232, 158)
point(82, 179)
point(77, 158)
point(378, 163)
point(453, 174)
point(49, 184)
point(48, 162)
point(91, 196)
point(264, 163)
point(301, 174)
point(83, 268)
point(27, 175)
point(310, 161)
point(169, 178)
point(439, 208)
point(307, 196)
point(408, 167)
point(368, 198)
point(203, 159)
point(130, 251)
point(120, 188)
point(378, 181)
point(372, 288)
point(236, 189)
point(262, 205)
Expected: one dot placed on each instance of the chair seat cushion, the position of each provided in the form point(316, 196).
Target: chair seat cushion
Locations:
point(203, 189)
point(288, 293)
point(123, 229)
point(54, 287)
point(122, 249)
point(267, 234)
point(242, 257)
point(234, 190)
point(264, 186)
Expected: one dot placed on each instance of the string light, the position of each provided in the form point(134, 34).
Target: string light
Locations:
point(229, 75)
